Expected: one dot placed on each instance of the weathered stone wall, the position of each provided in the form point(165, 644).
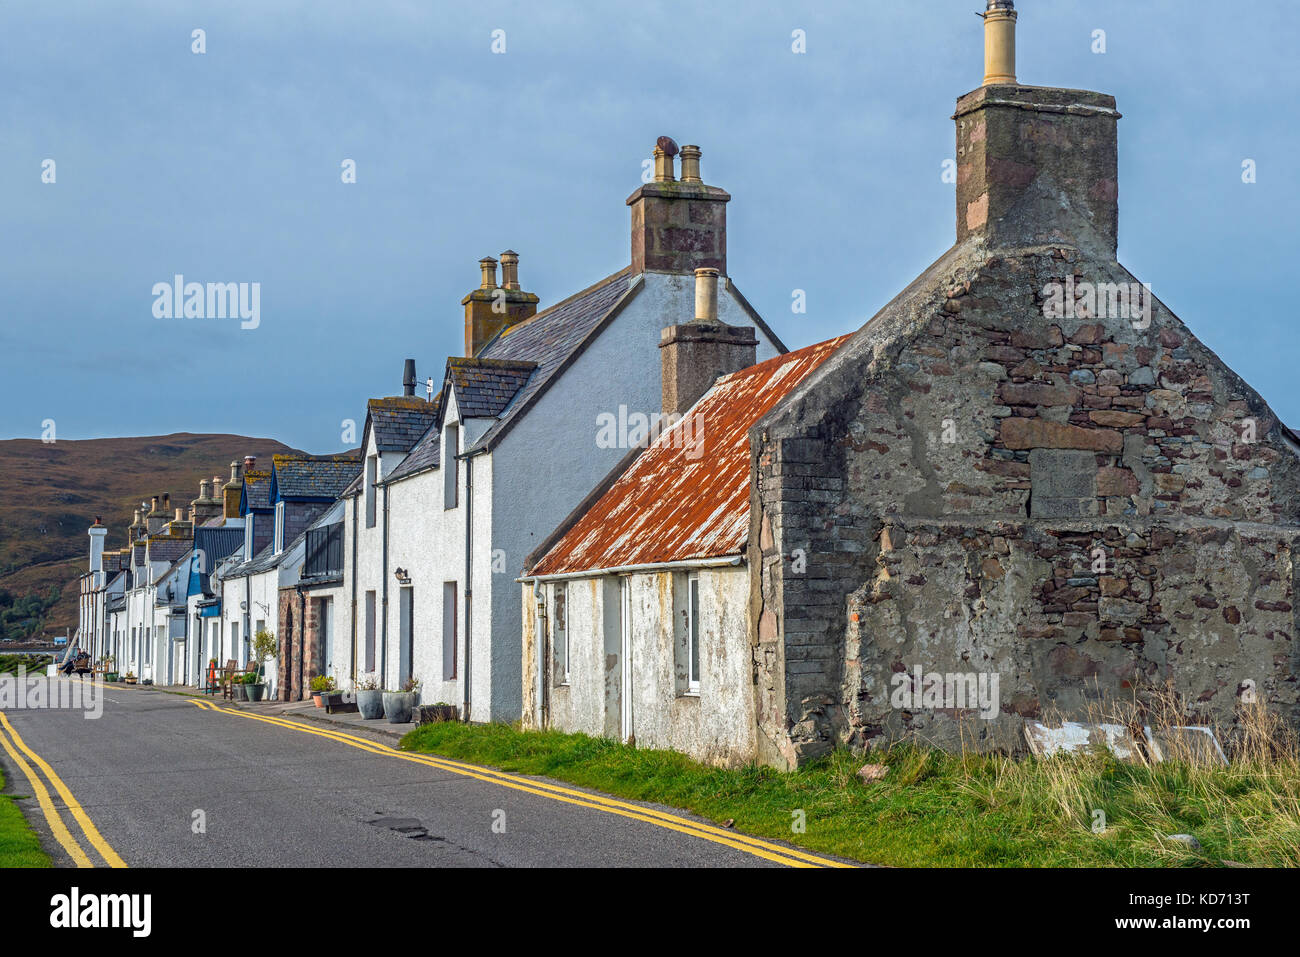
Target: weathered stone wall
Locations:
point(955, 474)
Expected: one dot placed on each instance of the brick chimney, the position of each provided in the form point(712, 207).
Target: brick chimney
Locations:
point(230, 492)
point(491, 308)
point(695, 354)
point(98, 533)
point(1035, 165)
point(678, 226)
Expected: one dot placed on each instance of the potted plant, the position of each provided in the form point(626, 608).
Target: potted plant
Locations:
point(398, 704)
point(265, 650)
point(253, 687)
point(130, 678)
point(238, 690)
point(321, 685)
point(370, 699)
point(440, 711)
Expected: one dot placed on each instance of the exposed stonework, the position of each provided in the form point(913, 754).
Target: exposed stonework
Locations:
point(952, 478)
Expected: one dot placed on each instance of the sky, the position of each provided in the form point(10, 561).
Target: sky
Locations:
point(227, 166)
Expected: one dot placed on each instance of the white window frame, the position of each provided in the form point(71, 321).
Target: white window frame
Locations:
point(692, 633)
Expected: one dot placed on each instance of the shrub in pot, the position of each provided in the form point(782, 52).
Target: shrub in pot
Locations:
point(253, 687)
point(321, 686)
point(398, 704)
point(370, 697)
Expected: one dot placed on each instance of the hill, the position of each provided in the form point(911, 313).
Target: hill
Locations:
point(51, 493)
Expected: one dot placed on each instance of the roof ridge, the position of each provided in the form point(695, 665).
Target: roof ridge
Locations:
point(563, 302)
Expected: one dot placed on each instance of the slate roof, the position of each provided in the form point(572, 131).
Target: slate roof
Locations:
point(687, 495)
point(399, 421)
point(257, 491)
point(311, 477)
point(552, 339)
point(168, 549)
point(484, 387)
point(268, 558)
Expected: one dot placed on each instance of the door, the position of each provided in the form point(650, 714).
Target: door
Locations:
point(405, 630)
point(625, 654)
point(327, 634)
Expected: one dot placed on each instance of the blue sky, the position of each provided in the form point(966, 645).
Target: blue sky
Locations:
point(225, 166)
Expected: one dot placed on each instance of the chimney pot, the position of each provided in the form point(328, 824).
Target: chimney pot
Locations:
point(663, 165)
point(408, 377)
point(691, 164)
point(999, 42)
point(250, 461)
point(180, 515)
point(706, 295)
point(510, 269)
point(489, 267)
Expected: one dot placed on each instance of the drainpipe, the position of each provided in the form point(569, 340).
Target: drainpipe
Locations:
point(355, 499)
point(383, 614)
point(248, 612)
point(469, 587)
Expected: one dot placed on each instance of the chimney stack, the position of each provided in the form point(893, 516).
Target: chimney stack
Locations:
point(696, 353)
point(491, 309)
point(250, 463)
point(231, 491)
point(678, 227)
point(999, 42)
point(408, 377)
point(98, 533)
point(1036, 166)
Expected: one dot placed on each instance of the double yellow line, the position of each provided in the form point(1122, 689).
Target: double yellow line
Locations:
point(741, 842)
point(16, 748)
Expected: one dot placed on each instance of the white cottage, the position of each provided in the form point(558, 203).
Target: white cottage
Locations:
point(539, 409)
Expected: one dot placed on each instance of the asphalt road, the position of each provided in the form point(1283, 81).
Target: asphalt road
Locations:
point(167, 782)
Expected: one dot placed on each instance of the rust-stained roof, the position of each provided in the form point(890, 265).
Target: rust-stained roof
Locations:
point(687, 496)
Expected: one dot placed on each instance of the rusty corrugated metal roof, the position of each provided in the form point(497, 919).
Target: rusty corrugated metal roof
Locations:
point(687, 496)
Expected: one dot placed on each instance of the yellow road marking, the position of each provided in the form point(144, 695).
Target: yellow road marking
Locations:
point(57, 827)
point(742, 842)
point(78, 812)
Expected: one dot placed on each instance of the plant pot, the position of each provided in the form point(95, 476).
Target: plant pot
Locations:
point(334, 704)
point(370, 704)
point(255, 692)
point(433, 713)
point(398, 705)
point(130, 681)
point(239, 691)
point(316, 697)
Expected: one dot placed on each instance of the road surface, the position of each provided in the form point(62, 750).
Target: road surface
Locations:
point(167, 780)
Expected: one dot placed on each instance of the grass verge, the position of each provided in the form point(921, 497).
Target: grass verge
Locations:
point(19, 845)
point(938, 809)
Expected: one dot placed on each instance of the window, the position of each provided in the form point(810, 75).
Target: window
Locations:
point(234, 639)
point(450, 466)
point(279, 527)
point(370, 631)
point(450, 621)
point(560, 632)
point(248, 537)
point(372, 474)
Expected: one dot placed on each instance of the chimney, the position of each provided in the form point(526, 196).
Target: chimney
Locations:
point(136, 529)
point(156, 517)
point(180, 515)
point(98, 533)
point(678, 226)
point(250, 463)
point(490, 308)
point(206, 506)
point(696, 353)
point(1036, 166)
point(408, 377)
point(231, 491)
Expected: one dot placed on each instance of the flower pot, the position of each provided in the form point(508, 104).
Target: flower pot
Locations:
point(239, 691)
point(254, 692)
point(333, 703)
point(316, 699)
point(397, 706)
point(130, 681)
point(370, 704)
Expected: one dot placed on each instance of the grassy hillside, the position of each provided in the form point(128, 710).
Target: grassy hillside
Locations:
point(50, 494)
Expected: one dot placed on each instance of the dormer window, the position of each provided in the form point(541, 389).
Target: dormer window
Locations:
point(279, 527)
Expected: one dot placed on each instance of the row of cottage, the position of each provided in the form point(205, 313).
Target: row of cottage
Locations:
point(635, 513)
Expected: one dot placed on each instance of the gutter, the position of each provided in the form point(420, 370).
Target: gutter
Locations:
point(723, 561)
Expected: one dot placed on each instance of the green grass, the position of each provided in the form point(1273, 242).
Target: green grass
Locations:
point(933, 808)
point(35, 664)
point(19, 845)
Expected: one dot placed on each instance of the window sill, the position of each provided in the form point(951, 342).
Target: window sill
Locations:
point(694, 693)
